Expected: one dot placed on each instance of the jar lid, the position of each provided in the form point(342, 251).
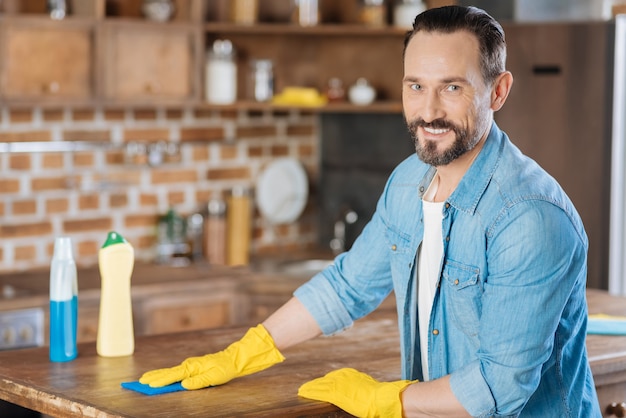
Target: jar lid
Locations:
point(216, 207)
point(223, 48)
point(262, 64)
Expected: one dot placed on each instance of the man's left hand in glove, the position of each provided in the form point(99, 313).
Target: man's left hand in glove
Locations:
point(357, 393)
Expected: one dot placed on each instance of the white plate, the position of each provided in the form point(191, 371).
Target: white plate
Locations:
point(282, 190)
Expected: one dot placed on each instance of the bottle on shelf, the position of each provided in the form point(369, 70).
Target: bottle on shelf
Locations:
point(221, 73)
point(173, 246)
point(238, 227)
point(244, 12)
point(215, 232)
point(261, 80)
point(116, 260)
point(58, 9)
point(373, 13)
point(63, 302)
point(195, 226)
point(306, 12)
point(335, 91)
point(405, 11)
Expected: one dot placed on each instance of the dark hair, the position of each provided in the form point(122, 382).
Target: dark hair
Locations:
point(488, 31)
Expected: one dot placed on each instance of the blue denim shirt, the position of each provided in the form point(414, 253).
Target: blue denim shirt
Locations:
point(509, 316)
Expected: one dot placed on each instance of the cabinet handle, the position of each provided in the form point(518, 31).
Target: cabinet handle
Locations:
point(152, 88)
point(51, 88)
point(546, 69)
point(617, 409)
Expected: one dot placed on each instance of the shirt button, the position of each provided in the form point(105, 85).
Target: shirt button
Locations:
point(447, 239)
point(393, 247)
point(456, 281)
point(435, 332)
point(447, 206)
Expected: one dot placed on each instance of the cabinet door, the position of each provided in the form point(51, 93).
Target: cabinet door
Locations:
point(44, 61)
point(88, 316)
point(189, 311)
point(143, 62)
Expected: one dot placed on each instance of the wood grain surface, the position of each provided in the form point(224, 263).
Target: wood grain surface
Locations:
point(90, 385)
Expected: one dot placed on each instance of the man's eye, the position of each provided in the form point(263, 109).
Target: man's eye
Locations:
point(452, 87)
point(416, 87)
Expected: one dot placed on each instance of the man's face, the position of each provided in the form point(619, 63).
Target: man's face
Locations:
point(446, 102)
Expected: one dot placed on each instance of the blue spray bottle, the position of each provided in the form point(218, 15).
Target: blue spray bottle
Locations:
point(63, 302)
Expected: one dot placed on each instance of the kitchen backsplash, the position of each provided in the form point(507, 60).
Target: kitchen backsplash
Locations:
point(138, 163)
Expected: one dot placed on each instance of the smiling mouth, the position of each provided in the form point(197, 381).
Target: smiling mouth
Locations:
point(434, 131)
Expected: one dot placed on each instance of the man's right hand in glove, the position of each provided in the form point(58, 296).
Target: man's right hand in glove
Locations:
point(256, 351)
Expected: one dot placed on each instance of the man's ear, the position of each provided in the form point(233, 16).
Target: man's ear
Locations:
point(501, 89)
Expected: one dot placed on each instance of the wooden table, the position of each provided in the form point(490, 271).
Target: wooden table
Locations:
point(607, 354)
point(90, 385)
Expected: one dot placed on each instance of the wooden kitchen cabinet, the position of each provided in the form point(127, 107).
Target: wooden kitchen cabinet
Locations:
point(107, 52)
point(163, 314)
point(310, 57)
point(190, 312)
point(144, 62)
point(45, 61)
point(338, 47)
point(88, 317)
point(158, 307)
point(81, 8)
point(559, 114)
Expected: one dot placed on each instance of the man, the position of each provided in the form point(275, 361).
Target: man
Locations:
point(484, 251)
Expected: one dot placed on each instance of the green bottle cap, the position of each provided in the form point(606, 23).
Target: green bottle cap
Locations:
point(113, 238)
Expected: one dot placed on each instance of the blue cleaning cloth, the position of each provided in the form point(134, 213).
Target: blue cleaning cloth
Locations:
point(147, 390)
point(608, 326)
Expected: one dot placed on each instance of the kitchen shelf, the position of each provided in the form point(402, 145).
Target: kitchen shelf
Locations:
point(137, 62)
point(342, 107)
point(51, 146)
point(294, 29)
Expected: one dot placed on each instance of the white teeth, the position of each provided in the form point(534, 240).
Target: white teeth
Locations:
point(435, 131)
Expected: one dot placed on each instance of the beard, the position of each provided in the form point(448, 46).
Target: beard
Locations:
point(464, 141)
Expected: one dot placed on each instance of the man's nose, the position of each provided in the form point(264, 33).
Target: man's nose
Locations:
point(432, 107)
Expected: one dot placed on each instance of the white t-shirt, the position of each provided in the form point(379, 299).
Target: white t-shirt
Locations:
point(428, 264)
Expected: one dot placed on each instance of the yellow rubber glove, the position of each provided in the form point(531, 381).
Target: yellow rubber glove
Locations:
point(256, 351)
point(357, 393)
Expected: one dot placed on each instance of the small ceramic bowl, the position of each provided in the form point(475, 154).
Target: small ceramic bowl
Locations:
point(361, 93)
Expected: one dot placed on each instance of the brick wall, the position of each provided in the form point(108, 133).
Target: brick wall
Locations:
point(84, 193)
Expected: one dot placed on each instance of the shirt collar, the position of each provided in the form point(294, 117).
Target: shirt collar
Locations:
point(474, 183)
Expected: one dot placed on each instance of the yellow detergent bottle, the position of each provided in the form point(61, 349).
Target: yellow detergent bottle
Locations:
point(116, 260)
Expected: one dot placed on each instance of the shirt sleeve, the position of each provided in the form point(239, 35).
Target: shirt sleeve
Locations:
point(355, 284)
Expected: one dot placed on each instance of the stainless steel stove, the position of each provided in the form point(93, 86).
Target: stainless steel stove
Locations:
point(21, 328)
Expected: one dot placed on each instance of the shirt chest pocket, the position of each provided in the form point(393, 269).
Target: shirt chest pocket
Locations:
point(461, 293)
point(401, 254)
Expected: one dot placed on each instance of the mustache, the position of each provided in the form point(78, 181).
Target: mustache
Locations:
point(435, 124)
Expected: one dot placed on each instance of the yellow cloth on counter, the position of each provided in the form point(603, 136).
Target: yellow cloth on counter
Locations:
point(603, 324)
point(606, 317)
